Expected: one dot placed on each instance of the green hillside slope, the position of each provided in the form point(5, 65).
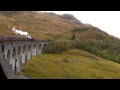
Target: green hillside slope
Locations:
point(72, 64)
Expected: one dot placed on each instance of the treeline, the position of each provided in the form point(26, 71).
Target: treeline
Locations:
point(106, 49)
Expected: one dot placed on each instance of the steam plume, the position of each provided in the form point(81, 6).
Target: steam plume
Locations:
point(21, 32)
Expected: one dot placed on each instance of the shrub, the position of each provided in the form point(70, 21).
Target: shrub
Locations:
point(57, 47)
point(73, 37)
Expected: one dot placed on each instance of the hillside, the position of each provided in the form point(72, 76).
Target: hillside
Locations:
point(72, 64)
point(39, 25)
point(50, 26)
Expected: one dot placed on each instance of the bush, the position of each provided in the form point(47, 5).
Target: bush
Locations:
point(73, 37)
point(57, 47)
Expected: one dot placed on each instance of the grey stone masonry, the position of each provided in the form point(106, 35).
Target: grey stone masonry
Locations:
point(14, 54)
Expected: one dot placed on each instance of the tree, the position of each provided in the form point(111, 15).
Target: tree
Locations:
point(73, 37)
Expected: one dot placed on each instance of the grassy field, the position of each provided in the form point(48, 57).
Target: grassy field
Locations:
point(72, 64)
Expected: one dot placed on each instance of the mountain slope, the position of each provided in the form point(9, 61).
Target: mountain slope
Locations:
point(39, 25)
point(50, 26)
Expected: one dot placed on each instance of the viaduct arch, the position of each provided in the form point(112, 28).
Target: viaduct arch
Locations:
point(19, 52)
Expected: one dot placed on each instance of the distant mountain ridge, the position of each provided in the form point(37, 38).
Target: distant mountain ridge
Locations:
point(12, 13)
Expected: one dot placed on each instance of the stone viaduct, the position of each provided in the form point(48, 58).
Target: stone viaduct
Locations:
point(17, 52)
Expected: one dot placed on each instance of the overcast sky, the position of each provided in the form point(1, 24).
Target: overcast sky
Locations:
point(108, 21)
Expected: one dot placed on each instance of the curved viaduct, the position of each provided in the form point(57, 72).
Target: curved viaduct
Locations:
point(17, 52)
